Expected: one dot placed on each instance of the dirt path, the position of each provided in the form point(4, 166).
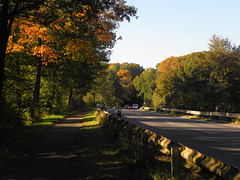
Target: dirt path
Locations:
point(49, 157)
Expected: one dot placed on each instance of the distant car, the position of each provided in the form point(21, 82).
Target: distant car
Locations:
point(130, 107)
point(126, 107)
point(135, 106)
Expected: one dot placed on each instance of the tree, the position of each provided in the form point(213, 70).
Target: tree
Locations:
point(126, 81)
point(202, 81)
point(117, 85)
point(220, 44)
point(88, 12)
point(35, 39)
point(81, 31)
point(225, 79)
point(145, 84)
point(9, 10)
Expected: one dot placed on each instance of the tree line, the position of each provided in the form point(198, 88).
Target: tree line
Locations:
point(207, 81)
point(115, 87)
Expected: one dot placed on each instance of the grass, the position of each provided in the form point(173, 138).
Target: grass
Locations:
point(97, 156)
point(32, 131)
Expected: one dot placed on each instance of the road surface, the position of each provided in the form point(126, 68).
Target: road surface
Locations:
point(219, 141)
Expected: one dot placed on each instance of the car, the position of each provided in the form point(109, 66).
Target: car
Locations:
point(126, 107)
point(135, 106)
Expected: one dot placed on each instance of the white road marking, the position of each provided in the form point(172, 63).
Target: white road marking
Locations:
point(169, 122)
point(204, 131)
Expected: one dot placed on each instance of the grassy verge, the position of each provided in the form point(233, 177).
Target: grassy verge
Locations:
point(17, 147)
point(99, 154)
point(97, 158)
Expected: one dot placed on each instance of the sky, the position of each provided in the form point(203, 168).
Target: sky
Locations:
point(168, 28)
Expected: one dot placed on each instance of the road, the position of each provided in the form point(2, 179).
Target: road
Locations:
point(219, 141)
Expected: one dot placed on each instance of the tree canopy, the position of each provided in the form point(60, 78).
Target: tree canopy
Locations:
point(206, 81)
point(74, 29)
point(58, 47)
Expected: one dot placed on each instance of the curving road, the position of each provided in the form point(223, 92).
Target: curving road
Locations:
point(219, 141)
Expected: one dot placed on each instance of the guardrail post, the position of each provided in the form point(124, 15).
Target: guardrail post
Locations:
point(175, 162)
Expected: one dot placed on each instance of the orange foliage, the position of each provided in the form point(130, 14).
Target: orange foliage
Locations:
point(125, 77)
point(79, 50)
point(166, 70)
point(169, 65)
point(28, 37)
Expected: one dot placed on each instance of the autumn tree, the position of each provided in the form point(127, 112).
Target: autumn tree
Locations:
point(88, 12)
point(9, 10)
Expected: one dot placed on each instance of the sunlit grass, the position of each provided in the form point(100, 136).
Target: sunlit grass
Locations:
point(97, 158)
point(52, 118)
point(236, 121)
point(110, 152)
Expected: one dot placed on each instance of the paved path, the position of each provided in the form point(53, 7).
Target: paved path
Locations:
point(50, 155)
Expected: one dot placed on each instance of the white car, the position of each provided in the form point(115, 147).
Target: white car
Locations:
point(135, 106)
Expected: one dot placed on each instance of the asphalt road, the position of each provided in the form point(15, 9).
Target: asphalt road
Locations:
point(219, 141)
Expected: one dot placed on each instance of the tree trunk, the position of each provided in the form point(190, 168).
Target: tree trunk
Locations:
point(51, 99)
point(2, 64)
point(4, 34)
point(18, 92)
point(36, 90)
point(94, 99)
point(70, 97)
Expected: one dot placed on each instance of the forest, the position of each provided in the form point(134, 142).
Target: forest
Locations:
point(51, 53)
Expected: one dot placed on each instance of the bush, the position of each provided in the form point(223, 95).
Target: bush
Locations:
point(11, 123)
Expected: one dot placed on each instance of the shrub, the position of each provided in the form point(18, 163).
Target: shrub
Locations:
point(11, 123)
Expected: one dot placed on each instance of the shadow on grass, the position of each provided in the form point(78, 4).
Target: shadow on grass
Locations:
point(97, 158)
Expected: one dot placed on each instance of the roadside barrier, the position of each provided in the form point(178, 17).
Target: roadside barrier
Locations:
point(193, 160)
point(221, 114)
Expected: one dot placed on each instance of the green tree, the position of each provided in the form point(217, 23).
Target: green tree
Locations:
point(220, 44)
point(145, 84)
point(202, 81)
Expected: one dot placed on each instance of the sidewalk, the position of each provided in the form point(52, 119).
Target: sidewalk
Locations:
point(49, 157)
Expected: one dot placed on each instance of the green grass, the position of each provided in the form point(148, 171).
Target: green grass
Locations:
point(97, 158)
point(34, 130)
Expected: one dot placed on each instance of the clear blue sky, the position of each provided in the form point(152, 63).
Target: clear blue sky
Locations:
point(174, 28)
